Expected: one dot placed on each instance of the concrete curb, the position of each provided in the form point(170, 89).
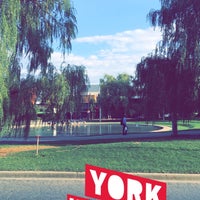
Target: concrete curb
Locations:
point(171, 177)
point(41, 174)
point(81, 175)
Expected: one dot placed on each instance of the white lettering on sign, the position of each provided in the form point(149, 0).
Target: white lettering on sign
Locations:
point(111, 185)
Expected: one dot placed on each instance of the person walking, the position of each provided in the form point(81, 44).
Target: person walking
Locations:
point(124, 125)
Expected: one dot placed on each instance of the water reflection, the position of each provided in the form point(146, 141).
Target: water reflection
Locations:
point(88, 129)
point(80, 129)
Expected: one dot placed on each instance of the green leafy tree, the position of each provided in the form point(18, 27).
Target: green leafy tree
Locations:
point(9, 13)
point(54, 92)
point(78, 82)
point(22, 103)
point(30, 28)
point(179, 22)
point(155, 82)
point(42, 23)
point(149, 86)
point(163, 90)
point(115, 95)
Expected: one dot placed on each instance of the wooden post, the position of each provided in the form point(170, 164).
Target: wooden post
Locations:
point(37, 146)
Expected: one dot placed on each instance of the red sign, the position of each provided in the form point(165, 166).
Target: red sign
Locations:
point(72, 197)
point(107, 184)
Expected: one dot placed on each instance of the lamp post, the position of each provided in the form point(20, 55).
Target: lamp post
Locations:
point(100, 114)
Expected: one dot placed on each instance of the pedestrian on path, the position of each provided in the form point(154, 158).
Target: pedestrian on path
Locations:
point(124, 125)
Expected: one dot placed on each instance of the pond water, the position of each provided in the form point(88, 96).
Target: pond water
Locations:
point(89, 129)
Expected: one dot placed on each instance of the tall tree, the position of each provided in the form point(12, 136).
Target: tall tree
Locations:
point(54, 92)
point(30, 28)
point(179, 22)
point(115, 95)
point(9, 13)
point(78, 82)
point(149, 86)
point(42, 24)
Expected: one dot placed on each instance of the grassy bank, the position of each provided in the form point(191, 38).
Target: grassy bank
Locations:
point(176, 156)
point(193, 124)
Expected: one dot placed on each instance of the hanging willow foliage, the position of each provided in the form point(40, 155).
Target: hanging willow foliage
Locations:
point(9, 15)
point(42, 24)
point(30, 28)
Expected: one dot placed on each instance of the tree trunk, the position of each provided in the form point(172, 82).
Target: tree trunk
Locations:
point(27, 126)
point(174, 125)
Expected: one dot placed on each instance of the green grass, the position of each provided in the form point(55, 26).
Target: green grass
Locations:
point(175, 156)
point(193, 124)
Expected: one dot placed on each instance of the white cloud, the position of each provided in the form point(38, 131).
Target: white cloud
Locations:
point(116, 53)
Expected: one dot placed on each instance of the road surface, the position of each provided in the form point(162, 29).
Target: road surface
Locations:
point(58, 188)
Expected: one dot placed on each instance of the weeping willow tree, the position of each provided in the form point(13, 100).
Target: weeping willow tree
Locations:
point(180, 24)
point(55, 91)
point(42, 24)
point(78, 82)
point(30, 29)
point(9, 15)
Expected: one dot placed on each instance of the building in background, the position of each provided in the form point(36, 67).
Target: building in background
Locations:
point(90, 109)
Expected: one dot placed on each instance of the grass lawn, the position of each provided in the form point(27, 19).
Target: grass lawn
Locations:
point(174, 156)
point(193, 124)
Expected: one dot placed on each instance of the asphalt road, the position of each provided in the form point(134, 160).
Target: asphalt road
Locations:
point(58, 188)
point(183, 191)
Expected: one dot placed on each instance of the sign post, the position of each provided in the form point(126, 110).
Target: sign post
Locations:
point(37, 145)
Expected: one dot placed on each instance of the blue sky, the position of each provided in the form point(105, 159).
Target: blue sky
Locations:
point(113, 36)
